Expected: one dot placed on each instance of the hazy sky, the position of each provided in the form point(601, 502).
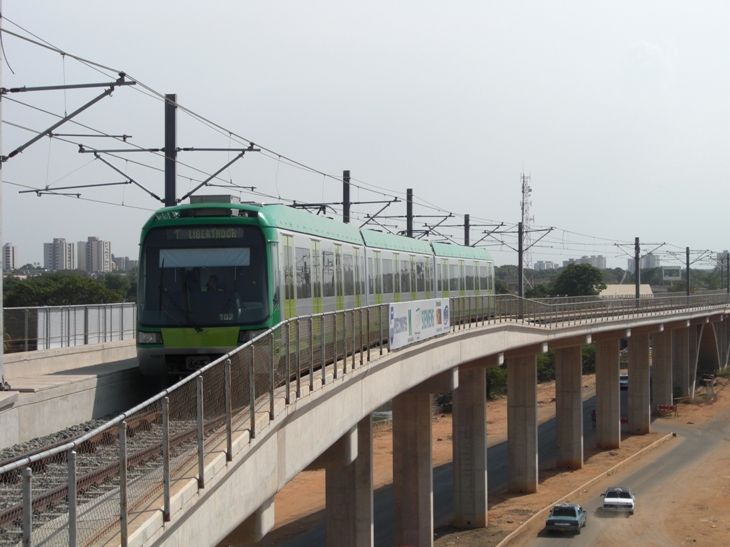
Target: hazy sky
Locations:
point(619, 111)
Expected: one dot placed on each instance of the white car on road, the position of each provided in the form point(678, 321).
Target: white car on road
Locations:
point(619, 500)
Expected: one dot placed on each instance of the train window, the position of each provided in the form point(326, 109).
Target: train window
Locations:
point(371, 276)
point(316, 270)
point(405, 275)
point(462, 275)
point(387, 275)
point(349, 271)
point(304, 272)
point(360, 269)
point(469, 277)
point(483, 279)
point(328, 273)
point(288, 269)
point(378, 276)
point(420, 275)
point(454, 277)
point(444, 277)
point(396, 273)
point(428, 274)
point(338, 270)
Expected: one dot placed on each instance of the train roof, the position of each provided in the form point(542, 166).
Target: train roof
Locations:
point(448, 250)
point(297, 220)
point(380, 240)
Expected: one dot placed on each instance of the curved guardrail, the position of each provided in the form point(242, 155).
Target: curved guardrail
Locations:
point(230, 396)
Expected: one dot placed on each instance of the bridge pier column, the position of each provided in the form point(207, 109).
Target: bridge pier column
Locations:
point(349, 489)
point(680, 360)
point(695, 336)
point(608, 402)
point(412, 471)
point(569, 406)
point(522, 423)
point(639, 392)
point(469, 429)
point(661, 369)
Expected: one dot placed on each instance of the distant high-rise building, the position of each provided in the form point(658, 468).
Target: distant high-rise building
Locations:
point(59, 255)
point(597, 261)
point(123, 263)
point(8, 257)
point(646, 262)
point(97, 256)
point(543, 265)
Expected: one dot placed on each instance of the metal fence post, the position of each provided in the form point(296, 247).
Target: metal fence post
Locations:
point(27, 507)
point(361, 338)
point(86, 325)
point(287, 358)
point(299, 368)
point(166, 459)
point(324, 347)
point(229, 417)
point(27, 311)
point(352, 315)
point(311, 354)
point(344, 342)
point(123, 517)
point(367, 320)
point(72, 519)
point(201, 436)
point(334, 356)
point(121, 321)
point(380, 328)
point(272, 376)
point(252, 393)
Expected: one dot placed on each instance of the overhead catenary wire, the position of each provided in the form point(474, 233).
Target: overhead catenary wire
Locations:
point(236, 137)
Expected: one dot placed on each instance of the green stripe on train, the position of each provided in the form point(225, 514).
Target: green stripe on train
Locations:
point(205, 337)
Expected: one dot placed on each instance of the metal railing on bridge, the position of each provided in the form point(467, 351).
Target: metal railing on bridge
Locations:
point(130, 463)
point(47, 327)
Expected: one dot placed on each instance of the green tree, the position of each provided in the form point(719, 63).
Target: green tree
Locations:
point(58, 289)
point(579, 280)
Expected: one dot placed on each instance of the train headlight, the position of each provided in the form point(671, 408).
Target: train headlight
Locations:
point(149, 338)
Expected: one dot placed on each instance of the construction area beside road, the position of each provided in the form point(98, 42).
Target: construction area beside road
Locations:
point(300, 505)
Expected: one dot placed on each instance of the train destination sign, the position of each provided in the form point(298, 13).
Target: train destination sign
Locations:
point(410, 322)
point(208, 232)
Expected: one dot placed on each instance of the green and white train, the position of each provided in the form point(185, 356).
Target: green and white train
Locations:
point(214, 273)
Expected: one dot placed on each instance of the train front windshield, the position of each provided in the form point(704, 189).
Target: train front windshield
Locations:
point(203, 276)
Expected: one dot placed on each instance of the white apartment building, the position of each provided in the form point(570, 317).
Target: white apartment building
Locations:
point(9, 257)
point(98, 255)
point(59, 255)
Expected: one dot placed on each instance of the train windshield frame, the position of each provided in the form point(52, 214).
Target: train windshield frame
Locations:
point(203, 276)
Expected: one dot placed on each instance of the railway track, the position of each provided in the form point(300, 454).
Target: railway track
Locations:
point(97, 465)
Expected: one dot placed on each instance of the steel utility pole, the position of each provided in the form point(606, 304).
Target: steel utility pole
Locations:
point(346, 196)
point(170, 148)
point(520, 262)
point(466, 230)
point(3, 385)
point(409, 212)
point(637, 267)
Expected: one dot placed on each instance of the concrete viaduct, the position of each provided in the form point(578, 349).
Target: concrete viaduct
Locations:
point(331, 424)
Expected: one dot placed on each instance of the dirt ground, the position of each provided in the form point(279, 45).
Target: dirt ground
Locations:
point(710, 488)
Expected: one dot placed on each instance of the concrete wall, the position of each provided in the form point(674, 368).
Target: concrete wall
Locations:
point(36, 363)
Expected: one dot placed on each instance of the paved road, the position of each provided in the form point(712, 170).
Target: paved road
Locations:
point(442, 488)
point(650, 482)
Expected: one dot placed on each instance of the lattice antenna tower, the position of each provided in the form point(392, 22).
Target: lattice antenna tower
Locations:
point(527, 218)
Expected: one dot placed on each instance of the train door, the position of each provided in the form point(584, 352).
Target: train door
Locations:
point(378, 279)
point(290, 302)
point(316, 277)
point(339, 285)
point(359, 285)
